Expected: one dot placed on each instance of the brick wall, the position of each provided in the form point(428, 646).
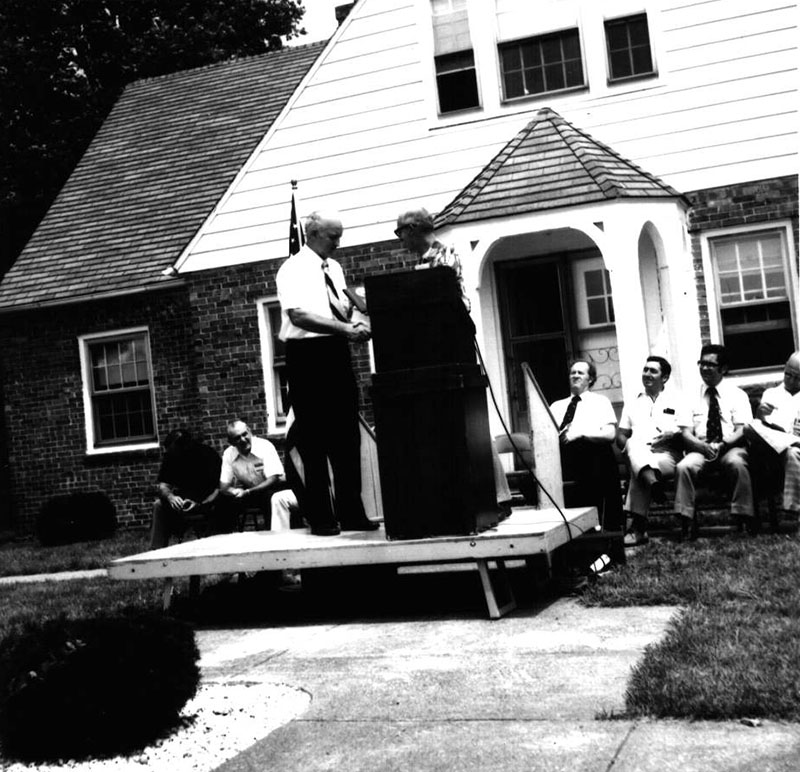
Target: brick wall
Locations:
point(731, 206)
point(207, 366)
point(44, 413)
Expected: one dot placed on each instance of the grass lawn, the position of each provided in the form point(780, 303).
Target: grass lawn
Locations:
point(27, 557)
point(734, 651)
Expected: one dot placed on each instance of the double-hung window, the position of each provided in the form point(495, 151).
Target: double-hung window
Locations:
point(542, 64)
point(629, 51)
point(273, 357)
point(755, 297)
point(454, 59)
point(118, 390)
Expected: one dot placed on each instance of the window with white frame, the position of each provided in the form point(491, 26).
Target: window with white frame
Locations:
point(454, 59)
point(118, 389)
point(629, 51)
point(273, 355)
point(542, 64)
point(594, 305)
point(754, 294)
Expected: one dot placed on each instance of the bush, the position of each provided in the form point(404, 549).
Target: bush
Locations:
point(76, 517)
point(93, 686)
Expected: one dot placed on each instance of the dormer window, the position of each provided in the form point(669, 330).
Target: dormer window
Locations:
point(456, 76)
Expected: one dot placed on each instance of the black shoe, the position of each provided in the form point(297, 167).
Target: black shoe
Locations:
point(325, 530)
point(657, 492)
point(364, 524)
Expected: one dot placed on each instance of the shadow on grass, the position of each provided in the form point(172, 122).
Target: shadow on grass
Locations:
point(733, 651)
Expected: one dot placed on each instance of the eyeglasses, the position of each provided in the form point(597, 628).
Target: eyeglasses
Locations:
point(399, 231)
point(703, 363)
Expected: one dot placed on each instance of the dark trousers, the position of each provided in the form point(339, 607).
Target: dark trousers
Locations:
point(592, 467)
point(324, 397)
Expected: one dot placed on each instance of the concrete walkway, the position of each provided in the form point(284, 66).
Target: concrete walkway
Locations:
point(464, 693)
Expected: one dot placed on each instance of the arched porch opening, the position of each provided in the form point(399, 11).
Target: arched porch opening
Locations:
point(545, 300)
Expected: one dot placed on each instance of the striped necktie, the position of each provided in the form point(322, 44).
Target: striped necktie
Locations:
point(569, 415)
point(334, 301)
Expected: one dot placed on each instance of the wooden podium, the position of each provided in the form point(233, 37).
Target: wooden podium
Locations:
point(429, 397)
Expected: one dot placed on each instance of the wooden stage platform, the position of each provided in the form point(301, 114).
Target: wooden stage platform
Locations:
point(527, 532)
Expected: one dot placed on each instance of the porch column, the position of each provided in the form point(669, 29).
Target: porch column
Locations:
point(621, 257)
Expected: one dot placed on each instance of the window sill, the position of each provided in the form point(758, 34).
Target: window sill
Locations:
point(112, 450)
point(526, 98)
point(613, 82)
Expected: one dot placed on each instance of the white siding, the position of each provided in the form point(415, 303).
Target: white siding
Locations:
point(361, 135)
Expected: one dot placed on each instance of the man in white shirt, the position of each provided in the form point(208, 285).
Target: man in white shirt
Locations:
point(774, 436)
point(650, 432)
point(587, 428)
point(716, 437)
point(252, 475)
point(775, 407)
point(316, 325)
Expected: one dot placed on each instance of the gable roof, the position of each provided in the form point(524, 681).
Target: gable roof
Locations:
point(550, 164)
point(166, 153)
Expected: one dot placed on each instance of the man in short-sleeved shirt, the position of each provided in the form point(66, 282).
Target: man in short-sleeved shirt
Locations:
point(317, 327)
point(726, 449)
point(252, 474)
point(650, 432)
point(587, 458)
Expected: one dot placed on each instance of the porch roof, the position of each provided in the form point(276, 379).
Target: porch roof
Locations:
point(166, 153)
point(547, 165)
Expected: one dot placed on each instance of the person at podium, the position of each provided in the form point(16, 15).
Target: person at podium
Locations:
point(587, 427)
point(416, 232)
point(317, 328)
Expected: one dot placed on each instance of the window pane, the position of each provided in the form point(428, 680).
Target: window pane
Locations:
point(510, 59)
point(551, 50)
point(456, 82)
point(123, 417)
point(554, 77)
point(617, 36)
point(593, 281)
point(571, 45)
point(642, 61)
point(512, 83)
point(597, 310)
point(629, 51)
point(574, 73)
point(620, 65)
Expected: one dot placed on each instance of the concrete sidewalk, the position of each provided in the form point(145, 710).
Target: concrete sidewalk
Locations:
point(459, 692)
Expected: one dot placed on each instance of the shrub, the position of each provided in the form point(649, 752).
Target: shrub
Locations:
point(93, 686)
point(76, 517)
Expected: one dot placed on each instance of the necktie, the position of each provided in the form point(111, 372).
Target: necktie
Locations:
point(334, 301)
point(570, 414)
point(714, 423)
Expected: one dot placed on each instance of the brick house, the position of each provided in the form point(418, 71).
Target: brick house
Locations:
point(619, 177)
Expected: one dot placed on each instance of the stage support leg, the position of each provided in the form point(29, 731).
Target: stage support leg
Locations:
point(166, 593)
point(495, 611)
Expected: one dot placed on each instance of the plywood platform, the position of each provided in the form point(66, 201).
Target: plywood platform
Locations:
point(526, 532)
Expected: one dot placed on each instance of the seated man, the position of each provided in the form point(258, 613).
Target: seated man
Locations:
point(650, 432)
point(252, 475)
point(716, 438)
point(187, 483)
point(587, 428)
point(773, 438)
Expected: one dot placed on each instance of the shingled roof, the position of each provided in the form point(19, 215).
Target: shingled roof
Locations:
point(162, 159)
point(550, 164)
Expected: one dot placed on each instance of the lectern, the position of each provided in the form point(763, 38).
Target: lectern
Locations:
point(429, 398)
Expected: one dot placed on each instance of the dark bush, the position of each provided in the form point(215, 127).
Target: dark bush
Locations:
point(76, 517)
point(93, 687)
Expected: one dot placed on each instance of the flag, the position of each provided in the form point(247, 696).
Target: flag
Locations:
point(296, 236)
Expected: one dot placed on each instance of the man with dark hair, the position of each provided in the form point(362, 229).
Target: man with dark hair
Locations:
point(587, 428)
point(187, 484)
point(650, 433)
point(716, 438)
point(316, 325)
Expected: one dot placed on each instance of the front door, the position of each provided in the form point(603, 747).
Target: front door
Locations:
point(535, 329)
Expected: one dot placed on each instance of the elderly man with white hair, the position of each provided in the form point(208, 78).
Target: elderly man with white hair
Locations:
point(317, 328)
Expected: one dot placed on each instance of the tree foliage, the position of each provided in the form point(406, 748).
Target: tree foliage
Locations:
point(63, 64)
